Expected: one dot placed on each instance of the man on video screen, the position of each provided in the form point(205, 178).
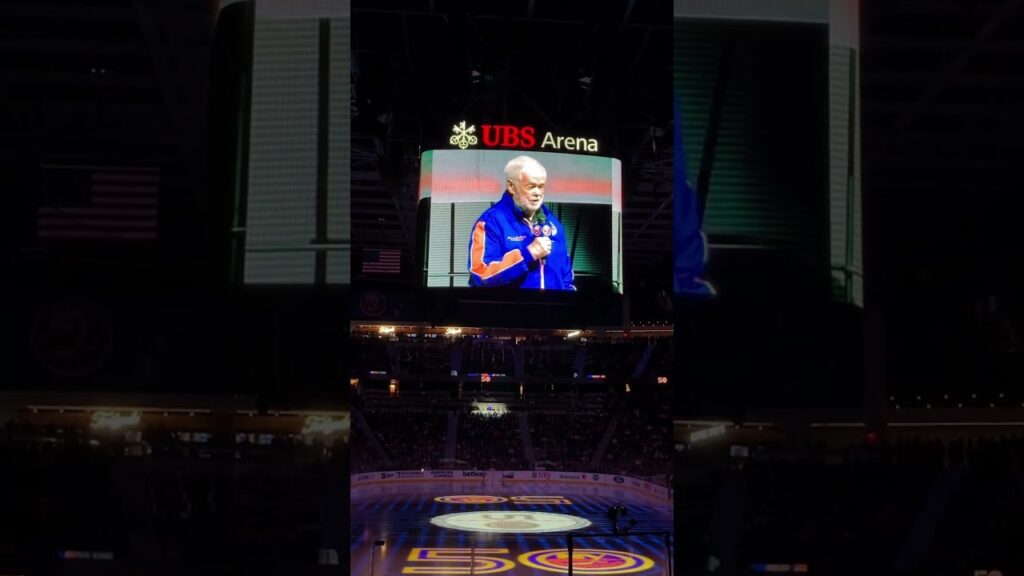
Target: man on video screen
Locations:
point(518, 241)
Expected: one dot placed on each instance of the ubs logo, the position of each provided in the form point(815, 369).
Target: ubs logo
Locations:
point(463, 136)
point(494, 135)
point(508, 136)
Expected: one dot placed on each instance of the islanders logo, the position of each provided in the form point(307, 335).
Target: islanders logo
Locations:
point(547, 229)
point(513, 522)
point(587, 561)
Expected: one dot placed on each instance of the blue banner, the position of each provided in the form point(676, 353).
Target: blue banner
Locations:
point(689, 242)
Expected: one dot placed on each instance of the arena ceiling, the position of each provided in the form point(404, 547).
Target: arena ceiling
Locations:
point(943, 86)
point(596, 70)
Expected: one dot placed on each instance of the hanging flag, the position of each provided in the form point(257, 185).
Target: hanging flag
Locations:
point(382, 261)
point(689, 241)
point(98, 203)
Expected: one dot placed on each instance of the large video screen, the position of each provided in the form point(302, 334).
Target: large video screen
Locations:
point(768, 252)
point(767, 152)
point(509, 219)
point(287, 137)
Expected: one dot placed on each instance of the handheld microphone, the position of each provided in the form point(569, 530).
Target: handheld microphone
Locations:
point(540, 220)
point(538, 227)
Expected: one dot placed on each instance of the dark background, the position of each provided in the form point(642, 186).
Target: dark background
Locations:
point(768, 184)
point(919, 478)
point(941, 106)
point(152, 321)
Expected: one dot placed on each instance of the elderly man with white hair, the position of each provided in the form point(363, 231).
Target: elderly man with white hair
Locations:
point(518, 241)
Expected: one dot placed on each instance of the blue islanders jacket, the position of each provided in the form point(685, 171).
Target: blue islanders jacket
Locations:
point(498, 255)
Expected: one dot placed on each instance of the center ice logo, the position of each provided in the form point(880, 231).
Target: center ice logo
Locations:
point(511, 522)
point(470, 499)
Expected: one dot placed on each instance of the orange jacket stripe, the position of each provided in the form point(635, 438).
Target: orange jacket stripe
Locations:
point(485, 270)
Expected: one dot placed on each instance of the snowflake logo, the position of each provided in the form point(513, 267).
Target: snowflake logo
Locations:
point(463, 137)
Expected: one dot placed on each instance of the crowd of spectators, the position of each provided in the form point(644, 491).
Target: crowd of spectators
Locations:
point(911, 505)
point(370, 354)
point(984, 523)
point(482, 355)
point(550, 356)
point(424, 358)
point(411, 439)
point(640, 445)
point(660, 362)
point(490, 442)
point(566, 441)
point(160, 502)
point(613, 359)
point(555, 361)
point(567, 431)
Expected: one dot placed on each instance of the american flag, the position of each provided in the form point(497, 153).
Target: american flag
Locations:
point(382, 261)
point(98, 203)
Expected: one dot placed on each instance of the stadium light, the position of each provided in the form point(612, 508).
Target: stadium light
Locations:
point(573, 334)
point(111, 420)
point(705, 434)
point(452, 331)
point(325, 425)
point(386, 330)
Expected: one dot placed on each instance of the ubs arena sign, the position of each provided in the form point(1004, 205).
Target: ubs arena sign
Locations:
point(505, 136)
